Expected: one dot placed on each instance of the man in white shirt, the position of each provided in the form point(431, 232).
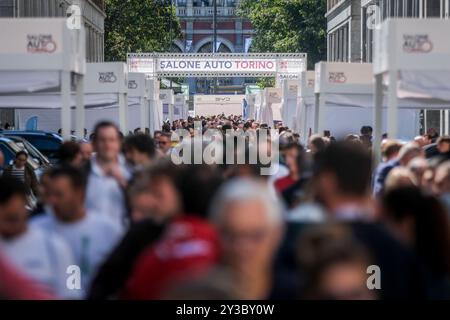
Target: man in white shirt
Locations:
point(43, 258)
point(108, 175)
point(90, 236)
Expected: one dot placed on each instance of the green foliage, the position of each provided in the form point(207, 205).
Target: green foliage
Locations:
point(139, 26)
point(266, 83)
point(288, 26)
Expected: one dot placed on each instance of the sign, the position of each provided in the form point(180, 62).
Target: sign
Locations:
point(107, 77)
point(337, 77)
point(218, 99)
point(417, 43)
point(206, 65)
point(31, 36)
point(41, 43)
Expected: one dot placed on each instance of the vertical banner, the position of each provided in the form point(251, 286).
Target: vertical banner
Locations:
point(188, 46)
point(248, 44)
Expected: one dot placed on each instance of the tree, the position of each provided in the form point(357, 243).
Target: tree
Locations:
point(139, 26)
point(288, 26)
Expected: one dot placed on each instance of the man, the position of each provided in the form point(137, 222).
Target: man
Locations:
point(108, 175)
point(390, 150)
point(90, 236)
point(86, 151)
point(70, 154)
point(157, 198)
point(139, 150)
point(189, 244)
point(342, 178)
point(316, 143)
point(165, 143)
point(152, 194)
point(250, 226)
point(443, 144)
point(20, 171)
point(41, 257)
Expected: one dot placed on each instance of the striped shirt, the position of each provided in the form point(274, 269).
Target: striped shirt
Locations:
point(18, 174)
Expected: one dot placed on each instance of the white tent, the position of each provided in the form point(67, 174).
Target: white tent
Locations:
point(42, 55)
point(344, 100)
point(304, 115)
point(112, 78)
point(289, 102)
point(411, 59)
point(167, 98)
point(271, 107)
point(181, 107)
point(105, 98)
point(251, 105)
point(259, 104)
point(138, 105)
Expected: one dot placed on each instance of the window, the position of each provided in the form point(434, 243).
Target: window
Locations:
point(433, 8)
point(7, 153)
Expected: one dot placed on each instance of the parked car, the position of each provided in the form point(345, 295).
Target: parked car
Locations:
point(9, 149)
point(31, 150)
point(47, 143)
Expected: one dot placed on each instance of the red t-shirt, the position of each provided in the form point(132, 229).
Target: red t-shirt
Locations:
point(283, 183)
point(15, 286)
point(189, 246)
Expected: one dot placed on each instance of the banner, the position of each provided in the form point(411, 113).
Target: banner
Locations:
point(216, 64)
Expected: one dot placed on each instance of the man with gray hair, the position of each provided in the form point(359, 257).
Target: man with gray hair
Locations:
point(408, 152)
point(251, 228)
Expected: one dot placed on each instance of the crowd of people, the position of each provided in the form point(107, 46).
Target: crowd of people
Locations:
point(118, 219)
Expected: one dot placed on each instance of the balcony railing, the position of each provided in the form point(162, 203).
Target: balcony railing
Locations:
point(206, 11)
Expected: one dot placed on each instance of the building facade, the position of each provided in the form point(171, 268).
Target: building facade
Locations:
point(350, 23)
point(350, 31)
point(92, 11)
point(234, 34)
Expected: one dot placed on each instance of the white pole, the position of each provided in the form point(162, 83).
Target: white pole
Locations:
point(65, 105)
point(392, 119)
point(143, 112)
point(446, 122)
point(377, 117)
point(284, 105)
point(123, 113)
point(319, 118)
point(80, 114)
point(316, 113)
point(151, 115)
point(170, 106)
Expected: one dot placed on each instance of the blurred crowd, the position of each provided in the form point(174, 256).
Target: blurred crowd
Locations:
point(118, 219)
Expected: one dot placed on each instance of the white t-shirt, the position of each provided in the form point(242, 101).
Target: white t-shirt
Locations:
point(104, 195)
point(43, 258)
point(90, 239)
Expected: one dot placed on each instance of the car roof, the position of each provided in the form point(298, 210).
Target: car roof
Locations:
point(37, 132)
point(31, 132)
point(5, 139)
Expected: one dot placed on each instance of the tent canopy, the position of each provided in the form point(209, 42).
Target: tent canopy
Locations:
point(411, 59)
point(344, 100)
point(42, 54)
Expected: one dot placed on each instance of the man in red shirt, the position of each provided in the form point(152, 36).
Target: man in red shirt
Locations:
point(188, 247)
